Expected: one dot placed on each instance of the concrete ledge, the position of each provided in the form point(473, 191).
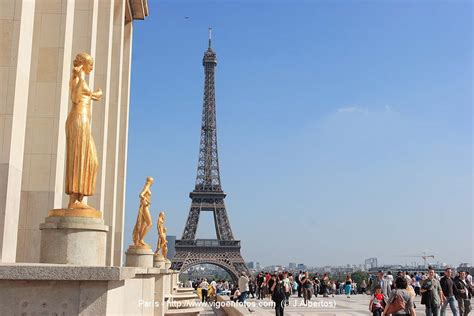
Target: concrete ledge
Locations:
point(236, 310)
point(60, 272)
point(184, 296)
point(185, 311)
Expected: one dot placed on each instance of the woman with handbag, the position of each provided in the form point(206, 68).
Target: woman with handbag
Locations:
point(400, 302)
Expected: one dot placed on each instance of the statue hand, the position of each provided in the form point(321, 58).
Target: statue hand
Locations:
point(78, 69)
point(98, 94)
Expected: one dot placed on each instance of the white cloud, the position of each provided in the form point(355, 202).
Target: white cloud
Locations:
point(353, 109)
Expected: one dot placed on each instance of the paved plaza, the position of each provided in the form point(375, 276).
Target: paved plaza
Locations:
point(327, 306)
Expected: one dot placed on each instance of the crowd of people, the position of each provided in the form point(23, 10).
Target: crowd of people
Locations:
point(397, 296)
point(389, 294)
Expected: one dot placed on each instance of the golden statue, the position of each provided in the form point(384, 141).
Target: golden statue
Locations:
point(81, 154)
point(162, 242)
point(144, 222)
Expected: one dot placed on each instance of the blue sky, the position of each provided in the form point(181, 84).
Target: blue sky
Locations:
point(344, 127)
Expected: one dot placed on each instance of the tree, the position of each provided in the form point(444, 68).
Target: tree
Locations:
point(358, 276)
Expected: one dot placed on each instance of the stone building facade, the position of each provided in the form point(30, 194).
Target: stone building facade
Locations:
point(38, 42)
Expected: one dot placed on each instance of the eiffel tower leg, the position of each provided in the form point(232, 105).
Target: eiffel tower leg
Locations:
point(224, 232)
point(191, 224)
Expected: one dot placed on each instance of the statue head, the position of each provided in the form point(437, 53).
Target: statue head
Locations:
point(162, 215)
point(84, 61)
point(149, 180)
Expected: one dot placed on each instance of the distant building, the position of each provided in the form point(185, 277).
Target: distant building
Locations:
point(292, 266)
point(370, 263)
point(273, 268)
point(407, 269)
point(301, 266)
point(341, 270)
point(171, 249)
point(251, 265)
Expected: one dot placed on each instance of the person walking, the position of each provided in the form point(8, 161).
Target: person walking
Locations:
point(432, 295)
point(252, 288)
point(400, 302)
point(270, 283)
point(348, 285)
point(204, 285)
point(244, 287)
point(307, 286)
point(260, 285)
point(278, 295)
point(377, 303)
point(298, 281)
point(295, 287)
point(449, 291)
point(384, 285)
point(287, 287)
point(469, 278)
point(324, 285)
point(362, 287)
point(390, 279)
point(416, 283)
point(464, 293)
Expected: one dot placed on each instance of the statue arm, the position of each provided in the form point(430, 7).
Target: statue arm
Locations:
point(143, 194)
point(96, 95)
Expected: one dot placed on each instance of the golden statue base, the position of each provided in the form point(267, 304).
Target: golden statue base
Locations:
point(139, 247)
point(75, 212)
point(139, 256)
point(160, 262)
point(158, 257)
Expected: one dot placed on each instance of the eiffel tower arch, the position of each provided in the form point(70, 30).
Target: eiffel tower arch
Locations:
point(208, 196)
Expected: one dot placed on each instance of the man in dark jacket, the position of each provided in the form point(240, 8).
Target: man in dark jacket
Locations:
point(449, 291)
point(464, 292)
point(260, 282)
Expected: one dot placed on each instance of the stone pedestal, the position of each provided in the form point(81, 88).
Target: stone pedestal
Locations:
point(72, 236)
point(167, 264)
point(159, 262)
point(139, 257)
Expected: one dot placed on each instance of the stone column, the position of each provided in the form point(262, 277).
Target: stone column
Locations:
point(113, 128)
point(102, 78)
point(16, 32)
point(59, 135)
point(123, 144)
point(42, 125)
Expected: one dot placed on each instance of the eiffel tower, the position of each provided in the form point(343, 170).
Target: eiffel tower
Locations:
point(208, 195)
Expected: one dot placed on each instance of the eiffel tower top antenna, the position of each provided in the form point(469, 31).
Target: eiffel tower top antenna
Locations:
point(210, 36)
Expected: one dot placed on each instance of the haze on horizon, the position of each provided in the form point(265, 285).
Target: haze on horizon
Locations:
point(344, 128)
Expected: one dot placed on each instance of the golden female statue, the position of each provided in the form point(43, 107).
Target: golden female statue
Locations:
point(144, 222)
point(162, 242)
point(81, 154)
